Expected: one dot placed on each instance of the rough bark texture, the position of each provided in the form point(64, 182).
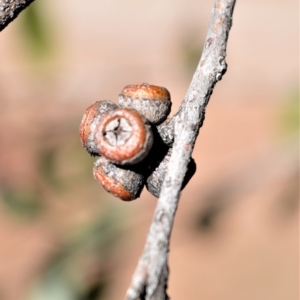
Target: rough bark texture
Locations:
point(10, 9)
point(151, 276)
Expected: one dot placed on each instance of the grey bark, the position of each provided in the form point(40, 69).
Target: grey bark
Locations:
point(10, 9)
point(151, 276)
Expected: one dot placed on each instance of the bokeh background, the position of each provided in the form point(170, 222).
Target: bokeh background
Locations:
point(236, 232)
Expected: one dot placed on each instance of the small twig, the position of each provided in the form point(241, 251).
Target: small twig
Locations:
point(10, 9)
point(151, 275)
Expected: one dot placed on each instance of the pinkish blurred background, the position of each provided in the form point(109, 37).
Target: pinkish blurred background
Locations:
point(236, 234)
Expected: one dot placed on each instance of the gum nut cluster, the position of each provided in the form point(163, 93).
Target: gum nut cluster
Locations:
point(131, 151)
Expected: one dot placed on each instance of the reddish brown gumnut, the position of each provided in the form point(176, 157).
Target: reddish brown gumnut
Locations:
point(123, 136)
point(125, 184)
point(153, 102)
point(155, 180)
point(89, 122)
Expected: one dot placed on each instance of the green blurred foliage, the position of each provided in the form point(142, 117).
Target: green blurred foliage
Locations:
point(53, 287)
point(47, 167)
point(25, 203)
point(36, 31)
point(81, 267)
point(62, 163)
point(289, 115)
point(191, 50)
point(72, 159)
point(62, 169)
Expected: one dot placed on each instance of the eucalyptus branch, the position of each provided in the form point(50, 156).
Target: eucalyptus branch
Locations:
point(151, 276)
point(10, 9)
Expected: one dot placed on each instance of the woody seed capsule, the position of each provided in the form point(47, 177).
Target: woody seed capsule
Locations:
point(123, 136)
point(89, 122)
point(153, 102)
point(125, 184)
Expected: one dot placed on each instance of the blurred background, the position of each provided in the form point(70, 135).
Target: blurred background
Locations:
point(236, 232)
